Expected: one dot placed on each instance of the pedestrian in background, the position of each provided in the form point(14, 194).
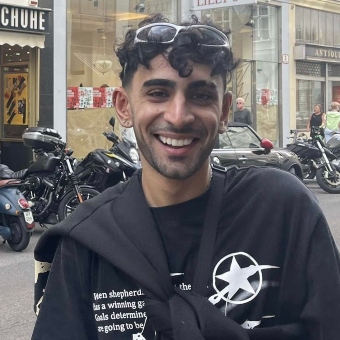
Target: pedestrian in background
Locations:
point(242, 114)
point(332, 121)
point(317, 119)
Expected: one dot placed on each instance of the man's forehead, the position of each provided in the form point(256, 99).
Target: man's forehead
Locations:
point(160, 72)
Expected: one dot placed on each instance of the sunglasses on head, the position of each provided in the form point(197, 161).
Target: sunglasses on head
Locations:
point(165, 33)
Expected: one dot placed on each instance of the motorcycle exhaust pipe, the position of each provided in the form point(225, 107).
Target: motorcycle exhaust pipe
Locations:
point(49, 202)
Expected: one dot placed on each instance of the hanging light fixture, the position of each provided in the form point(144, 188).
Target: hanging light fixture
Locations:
point(102, 63)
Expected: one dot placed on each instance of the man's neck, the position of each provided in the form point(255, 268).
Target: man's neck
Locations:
point(160, 191)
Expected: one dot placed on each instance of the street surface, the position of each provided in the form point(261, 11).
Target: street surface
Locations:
point(17, 274)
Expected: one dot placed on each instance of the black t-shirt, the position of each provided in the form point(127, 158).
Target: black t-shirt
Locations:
point(180, 227)
point(316, 120)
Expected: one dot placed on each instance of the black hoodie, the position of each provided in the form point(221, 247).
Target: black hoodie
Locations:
point(273, 274)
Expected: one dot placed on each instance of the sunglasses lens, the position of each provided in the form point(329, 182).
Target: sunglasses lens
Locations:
point(157, 34)
point(211, 37)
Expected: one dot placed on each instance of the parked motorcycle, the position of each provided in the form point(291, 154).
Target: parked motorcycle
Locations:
point(105, 168)
point(317, 160)
point(16, 219)
point(50, 183)
point(334, 145)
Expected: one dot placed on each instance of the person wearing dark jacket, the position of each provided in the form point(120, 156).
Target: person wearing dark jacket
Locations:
point(185, 250)
point(242, 114)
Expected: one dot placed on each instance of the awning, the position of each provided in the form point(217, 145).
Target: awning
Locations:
point(22, 39)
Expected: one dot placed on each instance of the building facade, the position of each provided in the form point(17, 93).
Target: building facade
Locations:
point(25, 86)
point(317, 60)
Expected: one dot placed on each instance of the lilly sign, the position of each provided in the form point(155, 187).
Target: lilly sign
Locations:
point(211, 4)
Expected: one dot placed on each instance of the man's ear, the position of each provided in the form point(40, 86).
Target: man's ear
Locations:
point(122, 106)
point(226, 105)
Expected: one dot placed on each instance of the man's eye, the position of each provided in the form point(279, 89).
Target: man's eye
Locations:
point(202, 96)
point(158, 94)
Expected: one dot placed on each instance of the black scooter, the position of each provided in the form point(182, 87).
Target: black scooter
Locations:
point(16, 219)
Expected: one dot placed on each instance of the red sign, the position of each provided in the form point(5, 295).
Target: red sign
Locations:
point(265, 96)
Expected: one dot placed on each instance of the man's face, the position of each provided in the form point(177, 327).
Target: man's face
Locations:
point(239, 104)
point(176, 119)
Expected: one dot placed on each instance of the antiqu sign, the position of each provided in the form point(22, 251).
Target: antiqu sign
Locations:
point(27, 19)
point(211, 4)
point(311, 52)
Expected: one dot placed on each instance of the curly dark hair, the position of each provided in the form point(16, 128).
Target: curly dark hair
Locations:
point(185, 50)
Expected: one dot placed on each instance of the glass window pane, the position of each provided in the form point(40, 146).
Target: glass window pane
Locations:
point(242, 138)
point(307, 25)
point(267, 100)
point(322, 28)
point(330, 29)
point(299, 27)
point(308, 93)
point(314, 33)
point(336, 26)
point(12, 54)
point(266, 40)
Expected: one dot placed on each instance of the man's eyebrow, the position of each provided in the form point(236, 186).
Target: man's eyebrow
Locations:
point(202, 83)
point(159, 82)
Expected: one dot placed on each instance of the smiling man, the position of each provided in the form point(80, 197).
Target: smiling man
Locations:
point(184, 250)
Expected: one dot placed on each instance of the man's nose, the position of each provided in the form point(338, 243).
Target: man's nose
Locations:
point(179, 112)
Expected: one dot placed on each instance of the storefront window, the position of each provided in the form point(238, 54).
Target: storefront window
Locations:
point(93, 70)
point(14, 88)
point(317, 27)
point(11, 54)
point(308, 93)
point(266, 45)
point(255, 40)
point(267, 100)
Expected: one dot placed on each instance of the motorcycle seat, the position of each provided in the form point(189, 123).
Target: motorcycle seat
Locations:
point(7, 173)
point(8, 181)
point(19, 174)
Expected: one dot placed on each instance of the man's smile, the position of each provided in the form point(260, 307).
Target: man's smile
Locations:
point(175, 141)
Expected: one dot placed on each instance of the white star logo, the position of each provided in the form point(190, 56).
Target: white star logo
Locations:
point(238, 278)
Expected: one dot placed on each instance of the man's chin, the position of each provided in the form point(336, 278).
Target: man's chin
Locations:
point(176, 171)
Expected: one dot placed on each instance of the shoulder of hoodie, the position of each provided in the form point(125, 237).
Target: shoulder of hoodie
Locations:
point(266, 182)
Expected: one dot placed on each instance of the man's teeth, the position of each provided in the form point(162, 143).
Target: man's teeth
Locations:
point(175, 142)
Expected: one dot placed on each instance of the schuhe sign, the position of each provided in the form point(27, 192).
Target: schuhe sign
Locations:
point(27, 19)
point(210, 4)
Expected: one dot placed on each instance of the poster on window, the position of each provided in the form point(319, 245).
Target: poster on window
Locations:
point(72, 98)
point(15, 99)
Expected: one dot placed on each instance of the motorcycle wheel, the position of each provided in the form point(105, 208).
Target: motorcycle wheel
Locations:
point(330, 185)
point(70, 202)
point(20, 236)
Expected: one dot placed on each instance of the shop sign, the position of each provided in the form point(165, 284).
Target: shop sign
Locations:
point(211, 4)
point(27, 19)
point(322, 52)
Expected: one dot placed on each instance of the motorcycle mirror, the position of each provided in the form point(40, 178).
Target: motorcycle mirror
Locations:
point(112, 121)
point(266, 144)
